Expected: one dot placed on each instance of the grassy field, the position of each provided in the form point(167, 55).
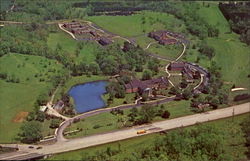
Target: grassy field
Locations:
point(129, 98)
point(231, 54)
point(68, 44)
point(16, 99)
point(169, 51)
point(231, 128)
point(138, 24)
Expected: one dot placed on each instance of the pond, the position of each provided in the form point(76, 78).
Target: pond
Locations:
point(88, 96)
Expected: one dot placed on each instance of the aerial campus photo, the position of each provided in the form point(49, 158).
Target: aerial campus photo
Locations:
point(125, 80)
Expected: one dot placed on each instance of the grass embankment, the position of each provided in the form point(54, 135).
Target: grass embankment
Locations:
point(230, 127)
point(17, 99)
point(107, 122)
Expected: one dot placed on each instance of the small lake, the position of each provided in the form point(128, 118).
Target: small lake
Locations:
point(88, 96)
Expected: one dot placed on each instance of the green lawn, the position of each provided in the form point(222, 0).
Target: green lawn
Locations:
point(169, 51)
point(133, 25)
point(20, 97)
point(68, 44)
point(231, 129)
point(129, 98)
point(214, 17)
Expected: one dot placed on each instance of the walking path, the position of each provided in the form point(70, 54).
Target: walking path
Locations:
point(94, 140)
point(71, 34)
point(150, 45)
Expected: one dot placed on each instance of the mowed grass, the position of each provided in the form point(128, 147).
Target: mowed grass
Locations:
point(134, 25)
point(213, 16)
point(69, 45)
point(232, 55)
point(20, 97)
point(168, 51)
point(231, 127)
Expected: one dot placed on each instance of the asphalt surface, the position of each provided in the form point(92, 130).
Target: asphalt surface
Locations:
point(99, 139)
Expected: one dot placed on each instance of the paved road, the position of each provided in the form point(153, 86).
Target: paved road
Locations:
point(66, 123)
point(99, 139)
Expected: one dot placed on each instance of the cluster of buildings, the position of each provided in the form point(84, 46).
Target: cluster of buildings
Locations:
point(186, 69)
point(140, 86)
point(189, 71)
point(165, 37)
point(86, 30)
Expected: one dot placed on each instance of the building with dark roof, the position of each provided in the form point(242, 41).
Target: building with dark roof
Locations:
point(140, 86)
point(176, 66)
point(59, 106)
point(104, 41)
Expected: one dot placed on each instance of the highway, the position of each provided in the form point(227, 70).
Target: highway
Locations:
point(79, 143)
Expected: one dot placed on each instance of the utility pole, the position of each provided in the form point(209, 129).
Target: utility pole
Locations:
point(233, 114)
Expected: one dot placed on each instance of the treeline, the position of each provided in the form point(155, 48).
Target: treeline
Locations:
point(100, 7)
point(204, 142)
point(238, 15)
point(40, 11)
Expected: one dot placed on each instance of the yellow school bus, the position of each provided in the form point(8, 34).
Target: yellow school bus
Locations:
point(141, 132)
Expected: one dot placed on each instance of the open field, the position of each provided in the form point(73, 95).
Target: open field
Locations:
point(87, 53)
point(167, 51)
point(138, 24)
point(17, 99)
point(230, 128)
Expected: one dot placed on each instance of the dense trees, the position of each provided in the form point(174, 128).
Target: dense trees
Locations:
point(206, 50)
point(238, 16)
point(30, 132)
point(115, 89)
point(202, 142)
point(54, 123)
point(246, 130)
point(147, 74)
point(113, 59)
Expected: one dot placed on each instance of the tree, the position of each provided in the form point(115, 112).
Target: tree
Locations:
point(146, 75)
point(133, 114)
point(187, 93)
point(153, 65)
point(146, 114)
point(174, 90)
point(40, 116)
point(31, 116)
point(165, 114)
point(30, 132)
point(42, 99)
point(214, 102)
point(116, 89)
point(94, 68)
point(144, 96)
point(54, 123)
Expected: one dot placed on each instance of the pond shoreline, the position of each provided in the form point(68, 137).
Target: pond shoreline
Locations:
point(88, 96)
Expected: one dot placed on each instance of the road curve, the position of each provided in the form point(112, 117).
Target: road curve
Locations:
point(79, 143)
point(66, 123)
